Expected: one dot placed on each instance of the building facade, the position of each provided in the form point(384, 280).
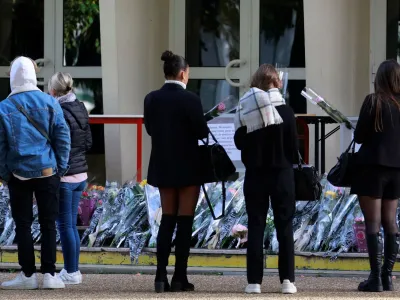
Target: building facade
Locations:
point(113, 47)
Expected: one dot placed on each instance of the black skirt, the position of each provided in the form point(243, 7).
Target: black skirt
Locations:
point(376, 181)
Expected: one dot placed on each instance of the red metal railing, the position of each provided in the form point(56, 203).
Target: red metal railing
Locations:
point(126, 120)
point(138, 121)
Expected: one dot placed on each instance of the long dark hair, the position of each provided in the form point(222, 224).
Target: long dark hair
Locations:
point(387, 89)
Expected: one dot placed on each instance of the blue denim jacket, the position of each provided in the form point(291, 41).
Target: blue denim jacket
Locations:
point(23, 150)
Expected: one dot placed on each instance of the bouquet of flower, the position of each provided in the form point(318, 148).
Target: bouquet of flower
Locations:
point(227, 105)
point(239, 232)
point(316, 99)
point(284, 77)
point(8, 235)
point(154, 212)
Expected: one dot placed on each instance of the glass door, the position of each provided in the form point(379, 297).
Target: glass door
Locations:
point(61, 36)
point(225, 41)
point(214, 38)
point(22, 32)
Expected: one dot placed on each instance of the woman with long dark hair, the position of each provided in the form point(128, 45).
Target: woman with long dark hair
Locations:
point(377, 174)
point(174, 119)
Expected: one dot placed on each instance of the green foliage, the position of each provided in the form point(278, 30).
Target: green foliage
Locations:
point(79, 16)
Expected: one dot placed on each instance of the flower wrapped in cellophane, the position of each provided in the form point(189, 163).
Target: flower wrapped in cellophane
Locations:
point(227, 105)
point(154, 212)
point(331, 201)
point(316, 99)
point(8, 235)
point(133, 216)
point(235, 208)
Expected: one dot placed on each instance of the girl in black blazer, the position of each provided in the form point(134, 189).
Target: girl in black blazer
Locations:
point(174, 119)
point(377, 176)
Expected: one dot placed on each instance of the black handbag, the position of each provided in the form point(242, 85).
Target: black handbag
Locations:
point(307, 182)
point(216, 166)
point(340, 175)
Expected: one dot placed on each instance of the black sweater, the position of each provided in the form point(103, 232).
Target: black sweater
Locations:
point(378, 148)
point(273, 147)
point(175, 121)
point(77, 119)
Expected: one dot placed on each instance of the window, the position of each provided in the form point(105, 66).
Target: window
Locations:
point(282, 33)
point(212, 32)
point(82, 33)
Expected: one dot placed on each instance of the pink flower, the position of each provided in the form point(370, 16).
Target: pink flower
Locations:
point(359, 220)
point(239, 231)
point(100, 202)
point(221, 107)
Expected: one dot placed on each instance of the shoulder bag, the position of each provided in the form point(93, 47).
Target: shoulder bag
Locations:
point(216, 166)
point(307, 182)
point(340, 175)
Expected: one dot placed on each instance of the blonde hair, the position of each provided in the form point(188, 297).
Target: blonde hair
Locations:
point(37, 69)
point(61, 84)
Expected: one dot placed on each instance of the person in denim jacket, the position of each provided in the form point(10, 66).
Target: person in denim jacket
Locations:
point(30, 164)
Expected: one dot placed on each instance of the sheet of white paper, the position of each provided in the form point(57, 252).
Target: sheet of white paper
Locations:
point(224, 133)
point(223, 129)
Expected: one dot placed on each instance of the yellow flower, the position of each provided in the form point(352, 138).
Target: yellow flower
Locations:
point(330, 193)
point(143, 183)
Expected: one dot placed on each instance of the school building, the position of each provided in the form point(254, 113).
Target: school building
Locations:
point(112, 48)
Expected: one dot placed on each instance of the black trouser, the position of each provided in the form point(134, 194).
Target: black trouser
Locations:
point(258, 188)
point(21, 195)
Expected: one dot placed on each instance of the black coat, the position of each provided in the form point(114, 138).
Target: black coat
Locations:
point(174, 119)
point(272, 147)
point(379, 148)
point(77, 118)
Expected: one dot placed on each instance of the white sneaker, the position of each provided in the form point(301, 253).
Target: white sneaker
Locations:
point(51, 282)
point(21, 282)
point(80, 276)
point(253, 289)
point(70, 278)
point(288, 287)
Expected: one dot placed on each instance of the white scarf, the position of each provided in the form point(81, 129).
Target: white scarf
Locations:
point(70, 97)
point(256, 109)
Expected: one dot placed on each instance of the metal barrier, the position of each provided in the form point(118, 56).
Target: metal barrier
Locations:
point(138, 121)
point(125, 120)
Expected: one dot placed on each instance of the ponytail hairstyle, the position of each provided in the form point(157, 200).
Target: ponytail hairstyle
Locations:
point(173, 64)
point(61, 84)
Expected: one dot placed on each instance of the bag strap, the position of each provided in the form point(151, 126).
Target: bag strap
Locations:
point(210, 205)
point(207, 140)
point(33, 122)
point(351, 147)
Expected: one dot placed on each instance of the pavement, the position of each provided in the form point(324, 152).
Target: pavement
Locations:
point(97, 286)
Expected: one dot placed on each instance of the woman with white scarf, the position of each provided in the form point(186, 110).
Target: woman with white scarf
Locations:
point(266, 134)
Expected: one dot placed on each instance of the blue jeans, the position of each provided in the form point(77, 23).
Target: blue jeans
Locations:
point(70, 194)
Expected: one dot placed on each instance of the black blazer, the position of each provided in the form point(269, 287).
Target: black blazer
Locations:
point(378, 148)
point(77, 118)
point(175, 121)
point(272, 147)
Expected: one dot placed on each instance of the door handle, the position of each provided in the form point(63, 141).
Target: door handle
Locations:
point(41, 62)
point(230, 65)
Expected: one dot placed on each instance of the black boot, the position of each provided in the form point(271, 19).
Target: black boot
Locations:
point(374, 282)
point(183, 239)
point(391, 251)
point(164, 240)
